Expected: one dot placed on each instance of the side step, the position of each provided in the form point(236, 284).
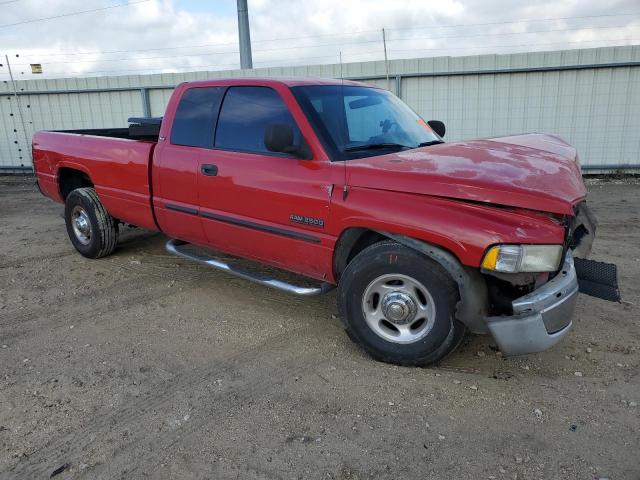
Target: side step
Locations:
point(173, 247)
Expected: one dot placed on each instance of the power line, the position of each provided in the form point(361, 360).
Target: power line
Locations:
point(422, 27)
point(520, 21)
point(484, 34)
point(516, 46)
point(10, 1)
point(33, 20)
point(360, 32)
point(230, 52)
point(135, 59)
point(165, 48)
point(266, 63)
point(235, 64)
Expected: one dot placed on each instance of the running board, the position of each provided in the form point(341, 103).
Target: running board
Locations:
point(173, 247)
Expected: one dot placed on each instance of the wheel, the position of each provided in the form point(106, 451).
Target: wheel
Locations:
point(399, 305)
point(91, 229)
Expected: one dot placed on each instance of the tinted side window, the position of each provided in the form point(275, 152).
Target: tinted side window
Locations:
point(195, 120)
point(245, 114)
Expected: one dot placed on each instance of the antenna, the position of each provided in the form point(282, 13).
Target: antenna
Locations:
point(386, 60)
point(345, 188)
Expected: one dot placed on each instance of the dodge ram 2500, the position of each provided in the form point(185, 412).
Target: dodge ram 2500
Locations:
point(343, 183)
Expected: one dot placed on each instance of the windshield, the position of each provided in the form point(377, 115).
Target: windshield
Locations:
point(356, 122)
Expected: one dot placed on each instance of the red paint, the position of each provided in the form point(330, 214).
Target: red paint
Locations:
point(117, 167)
point(533, 171)
point(445, 194)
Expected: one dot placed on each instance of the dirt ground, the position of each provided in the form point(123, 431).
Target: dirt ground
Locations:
point(142, 365)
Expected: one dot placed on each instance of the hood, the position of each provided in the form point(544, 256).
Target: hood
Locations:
point(534, 171)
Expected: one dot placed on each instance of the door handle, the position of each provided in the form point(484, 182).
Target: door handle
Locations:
point(209, 170)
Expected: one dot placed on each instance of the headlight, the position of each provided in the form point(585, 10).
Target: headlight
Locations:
point(523, 258)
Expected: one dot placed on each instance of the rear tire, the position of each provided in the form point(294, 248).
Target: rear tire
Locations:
point(92, 231)
point(399, 305)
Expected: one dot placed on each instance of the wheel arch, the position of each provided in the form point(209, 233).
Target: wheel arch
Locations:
point(70, 178)
point(352, 241)
point(473, 305)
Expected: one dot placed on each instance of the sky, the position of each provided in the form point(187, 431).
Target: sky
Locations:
point(120, 37)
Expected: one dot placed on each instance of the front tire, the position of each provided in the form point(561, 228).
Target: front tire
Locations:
point(92, 231)
point(399, 305)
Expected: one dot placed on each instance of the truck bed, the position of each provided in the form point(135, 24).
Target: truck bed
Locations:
point(117, 165)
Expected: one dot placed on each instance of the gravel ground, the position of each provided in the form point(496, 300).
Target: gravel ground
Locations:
point(142, 365)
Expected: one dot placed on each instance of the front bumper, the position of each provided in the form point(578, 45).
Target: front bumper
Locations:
point(541, 318)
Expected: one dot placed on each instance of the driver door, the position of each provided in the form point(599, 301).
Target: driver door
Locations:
point(263, 205)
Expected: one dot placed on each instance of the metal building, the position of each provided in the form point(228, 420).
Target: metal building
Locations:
point(590, 97)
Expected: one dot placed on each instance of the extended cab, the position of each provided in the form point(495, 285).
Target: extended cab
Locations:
point(343, 183)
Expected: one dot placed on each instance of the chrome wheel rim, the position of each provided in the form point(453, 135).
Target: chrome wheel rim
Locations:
point(398, 308)
point(81, 225)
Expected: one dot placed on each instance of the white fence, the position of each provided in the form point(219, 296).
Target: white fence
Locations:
point(590, 97)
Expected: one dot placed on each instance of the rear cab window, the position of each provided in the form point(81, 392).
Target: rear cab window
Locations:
point(194, 123)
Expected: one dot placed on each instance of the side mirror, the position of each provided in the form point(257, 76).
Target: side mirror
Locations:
point(278, 137)
point(438, 127)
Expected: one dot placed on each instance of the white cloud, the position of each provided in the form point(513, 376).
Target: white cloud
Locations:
point(143, 37)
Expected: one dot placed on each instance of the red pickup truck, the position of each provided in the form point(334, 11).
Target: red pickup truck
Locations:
point(341, 182)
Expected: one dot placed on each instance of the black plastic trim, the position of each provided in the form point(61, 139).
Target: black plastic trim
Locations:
point(263, 228)
point(178, 208)
point(598, 279)
point(243, 223)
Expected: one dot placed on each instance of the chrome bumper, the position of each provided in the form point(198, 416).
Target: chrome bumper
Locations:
point(541, 318)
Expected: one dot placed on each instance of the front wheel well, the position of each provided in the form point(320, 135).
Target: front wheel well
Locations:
point(472, 287)
point(69, 179)
point(351, 242)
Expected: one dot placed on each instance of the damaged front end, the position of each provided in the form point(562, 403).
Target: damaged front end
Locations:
point(528, 312)
point(540, 318)
point(596, 279)
point(531, 312)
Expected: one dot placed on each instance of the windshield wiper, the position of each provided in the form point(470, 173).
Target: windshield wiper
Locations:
point(429, 143)
point(375, 146)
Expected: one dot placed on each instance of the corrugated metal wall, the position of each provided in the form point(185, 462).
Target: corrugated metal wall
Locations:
point(590, 97)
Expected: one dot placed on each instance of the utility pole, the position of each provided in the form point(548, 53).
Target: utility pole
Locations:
point(244, 35)
point(386, 61)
